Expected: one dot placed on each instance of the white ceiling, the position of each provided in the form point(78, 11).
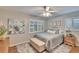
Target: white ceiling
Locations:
point(37, 10)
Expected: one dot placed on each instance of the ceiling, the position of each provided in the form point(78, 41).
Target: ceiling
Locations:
point(37, 10)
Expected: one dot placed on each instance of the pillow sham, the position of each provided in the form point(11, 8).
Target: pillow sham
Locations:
point(51, 31)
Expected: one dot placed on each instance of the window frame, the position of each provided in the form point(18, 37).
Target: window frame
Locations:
point(38, 23)
point(72, 28)
point(74, 23)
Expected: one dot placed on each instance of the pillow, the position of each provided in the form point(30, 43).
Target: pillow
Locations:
point(50, 31)
point(61, 31)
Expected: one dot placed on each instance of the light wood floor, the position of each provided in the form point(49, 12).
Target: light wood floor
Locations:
point(12, 49)
point(74, 50)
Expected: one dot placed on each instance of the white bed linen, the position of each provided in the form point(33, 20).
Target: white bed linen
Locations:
point(51, 40)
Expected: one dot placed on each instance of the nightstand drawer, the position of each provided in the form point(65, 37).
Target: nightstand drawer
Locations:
point(69, 40)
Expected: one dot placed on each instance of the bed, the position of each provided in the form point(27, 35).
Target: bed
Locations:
point(51, 40)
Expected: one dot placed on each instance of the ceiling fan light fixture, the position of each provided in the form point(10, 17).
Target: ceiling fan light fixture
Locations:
point(46, 14)
point(47, 11)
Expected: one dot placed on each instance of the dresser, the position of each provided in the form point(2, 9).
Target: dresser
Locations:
point(4, 44)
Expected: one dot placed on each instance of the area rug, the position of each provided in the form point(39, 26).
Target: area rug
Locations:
point(27, 48)
point(62, 49)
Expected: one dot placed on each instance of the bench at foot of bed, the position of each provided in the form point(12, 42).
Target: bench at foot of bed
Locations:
point(37, 44)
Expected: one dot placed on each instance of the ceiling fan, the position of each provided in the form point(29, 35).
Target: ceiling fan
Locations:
point(47, 12)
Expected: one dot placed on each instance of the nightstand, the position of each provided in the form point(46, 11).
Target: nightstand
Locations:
point(69, 40)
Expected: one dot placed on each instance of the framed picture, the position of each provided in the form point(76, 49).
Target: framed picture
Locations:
point(16, 26)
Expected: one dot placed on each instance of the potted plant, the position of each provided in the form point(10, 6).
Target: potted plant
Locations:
point(3, 30)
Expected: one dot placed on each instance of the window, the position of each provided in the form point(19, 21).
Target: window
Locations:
point(36, 26)
point(72, 24)
point(68, 23)
point(75, 23)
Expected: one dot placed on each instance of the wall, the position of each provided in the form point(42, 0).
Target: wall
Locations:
point(17, 38)
point(61, 19)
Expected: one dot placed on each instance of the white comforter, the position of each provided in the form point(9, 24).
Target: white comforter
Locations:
point(51, 40)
